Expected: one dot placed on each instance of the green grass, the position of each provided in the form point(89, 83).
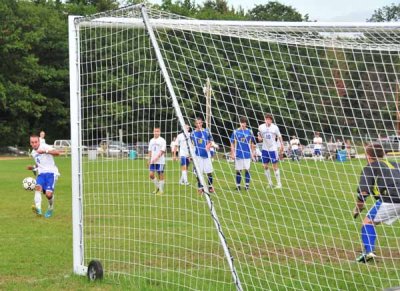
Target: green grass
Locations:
point(301, 237)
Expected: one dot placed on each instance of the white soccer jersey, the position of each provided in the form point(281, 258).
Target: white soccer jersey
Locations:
point(45, 162)
point(317, 143)
point(156, 146)
point(183, 145)
point(294, 144)
point(269, 135)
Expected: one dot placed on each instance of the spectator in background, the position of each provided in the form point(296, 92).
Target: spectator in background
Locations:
point(348, 149)
point(41, 137)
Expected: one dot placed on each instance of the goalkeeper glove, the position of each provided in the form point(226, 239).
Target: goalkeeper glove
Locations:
point(357, 211)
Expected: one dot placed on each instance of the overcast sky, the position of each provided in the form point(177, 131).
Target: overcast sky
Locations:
point(322, 10)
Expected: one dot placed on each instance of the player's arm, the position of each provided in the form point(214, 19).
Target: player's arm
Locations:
point(49, 151)
point(233, 145)
point(281, 143)
point(367, 181)
point(209, 140)
point(149, 156)
point(175, 149)
point(156, 157)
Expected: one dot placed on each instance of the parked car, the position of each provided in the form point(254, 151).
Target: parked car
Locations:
point(390, 144)
point(113, 148)
point(308, 150)
point(142, 148)
point(64, 145)
point(13, 151)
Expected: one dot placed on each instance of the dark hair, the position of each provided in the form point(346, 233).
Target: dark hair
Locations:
point(199, 118)
point(243, 119)
point(34, 135)
point(269, 115)
point(374, 150)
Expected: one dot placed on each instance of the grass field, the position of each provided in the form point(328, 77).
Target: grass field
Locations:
point(301, 237)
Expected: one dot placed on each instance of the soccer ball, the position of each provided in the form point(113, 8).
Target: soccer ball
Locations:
point(29, 184)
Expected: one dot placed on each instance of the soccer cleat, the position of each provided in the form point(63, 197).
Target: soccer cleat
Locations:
point(200, 191)
point(159, 192)
point(184, 183)
point(37, 211)
point(155, 191)
point(246, 187)
point(364, 258)
point(211, 189)
point(49, 213)
point(238, 188)
point(279, 186)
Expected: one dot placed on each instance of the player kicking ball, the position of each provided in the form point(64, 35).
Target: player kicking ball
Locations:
point(156, 160)
point(47, 170)
point(268, 132)
point(381, 179)
point(242, 151)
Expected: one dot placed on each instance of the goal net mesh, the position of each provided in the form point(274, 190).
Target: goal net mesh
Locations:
point(339, 81)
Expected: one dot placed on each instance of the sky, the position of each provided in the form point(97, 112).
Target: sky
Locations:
point(322, 10)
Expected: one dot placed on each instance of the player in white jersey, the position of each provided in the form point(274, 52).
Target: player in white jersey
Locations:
point(294, 147)
point(182, 144)
point(268, 133)
point(47, 174)
point(156, 161)
point(317, 141)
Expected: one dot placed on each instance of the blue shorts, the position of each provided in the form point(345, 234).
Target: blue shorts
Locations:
point(47, 181)
point(269, 157)
point(159, 168)
point(185, 161)
point(317, 152)
point(374, 210)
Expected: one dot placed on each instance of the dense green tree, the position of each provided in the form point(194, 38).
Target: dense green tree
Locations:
point(275, 11)
point(386, 14)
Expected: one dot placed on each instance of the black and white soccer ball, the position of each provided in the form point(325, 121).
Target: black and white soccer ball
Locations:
point(29, 184)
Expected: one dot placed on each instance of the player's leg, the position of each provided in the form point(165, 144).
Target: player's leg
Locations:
point(184, 165)
point(49, 188)
point(266, 160)
point(161, 181)
point(368, 234)
point(37, 207)
point(238, 168)
point(247, 173)
point(275, 162)
point(208, 169)
point(199, 172)
point(153, 178)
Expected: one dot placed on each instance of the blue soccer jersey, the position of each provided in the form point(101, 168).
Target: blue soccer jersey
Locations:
point(243, 138)
point(200, 140)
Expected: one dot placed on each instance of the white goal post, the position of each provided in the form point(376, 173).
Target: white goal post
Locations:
point(138, 68)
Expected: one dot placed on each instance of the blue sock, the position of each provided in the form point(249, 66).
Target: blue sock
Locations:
point(368, 236)
point(238, 178)
point(247, 177)
point(210, 179)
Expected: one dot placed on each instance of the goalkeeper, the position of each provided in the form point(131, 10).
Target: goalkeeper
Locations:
point(380, 178)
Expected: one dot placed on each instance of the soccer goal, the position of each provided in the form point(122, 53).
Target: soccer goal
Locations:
point(139, 68)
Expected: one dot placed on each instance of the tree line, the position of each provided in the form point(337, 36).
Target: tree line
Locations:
point(34, 76)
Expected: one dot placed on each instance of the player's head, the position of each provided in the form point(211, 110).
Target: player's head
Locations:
point(316, 134)
point(268, 118)
point(374, 151)
point(156, 131)
point(187, 127)
point(42, 134)
point(34, 141)
point(198, 122)
point(243, 122)
point(294, 137)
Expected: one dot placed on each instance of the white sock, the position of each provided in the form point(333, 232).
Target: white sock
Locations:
point(268, 175)
point(51, 202)
point(155, 181)
point(278, 176)
point(161, 185)
point(184, 176)
point(38, 199)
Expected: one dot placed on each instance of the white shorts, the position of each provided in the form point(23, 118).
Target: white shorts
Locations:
point(242, 164)
point(388, 213)
point(205, 165)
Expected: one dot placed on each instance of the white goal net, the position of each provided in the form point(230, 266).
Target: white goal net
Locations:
point(137, 69)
